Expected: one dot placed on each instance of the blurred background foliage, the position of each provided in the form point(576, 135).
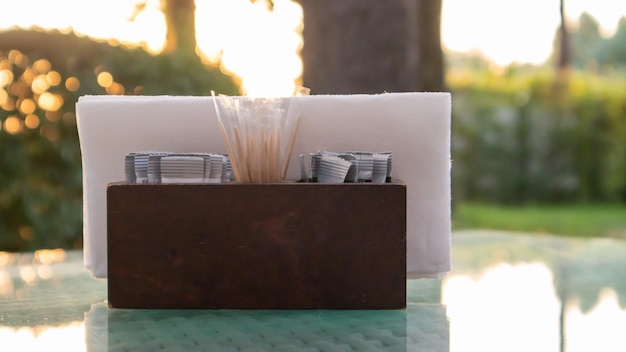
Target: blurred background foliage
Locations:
point(521, 134)
point(523, 137)
point(40, 162)
point(526, 134)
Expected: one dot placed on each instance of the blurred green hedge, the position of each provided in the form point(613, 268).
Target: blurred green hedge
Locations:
point(534, 136)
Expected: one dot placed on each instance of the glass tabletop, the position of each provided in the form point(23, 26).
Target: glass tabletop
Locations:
point(510, 292)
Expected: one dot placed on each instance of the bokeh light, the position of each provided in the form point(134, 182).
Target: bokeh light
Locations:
point(31, 121)
point(13, 125)
point(49, 256)
point(3, 96)
point(50, 132)
point(53, 78)
point(105, 79)
point(26, 233)
point(115, 89)
point(18, 89)
point(41, 66)
point(49, 101)
point(53, 116)
point(69, 118)
point(72, 84)
point(17, 58)
point(28, 274)
point(6, 77)
point(28, 76)
point(27, 106)
point(8, 104)
point(40, 84)
point(28, 99)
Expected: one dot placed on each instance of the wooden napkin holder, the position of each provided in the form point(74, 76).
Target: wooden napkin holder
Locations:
point(257, 246)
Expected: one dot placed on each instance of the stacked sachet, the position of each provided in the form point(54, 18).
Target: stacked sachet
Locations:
point(351, 166)
point(166, 167)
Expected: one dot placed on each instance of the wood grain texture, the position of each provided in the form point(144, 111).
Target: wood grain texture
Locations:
point(257, 246)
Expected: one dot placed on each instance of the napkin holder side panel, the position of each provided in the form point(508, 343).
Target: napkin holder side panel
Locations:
point(257, 246)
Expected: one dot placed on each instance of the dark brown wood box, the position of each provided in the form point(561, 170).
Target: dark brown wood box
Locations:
point(257, 246)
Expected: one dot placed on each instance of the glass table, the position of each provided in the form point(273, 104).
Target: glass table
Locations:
point(506, 292)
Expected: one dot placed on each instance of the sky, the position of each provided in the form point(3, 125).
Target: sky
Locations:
point(504, 31)
point(517, 30)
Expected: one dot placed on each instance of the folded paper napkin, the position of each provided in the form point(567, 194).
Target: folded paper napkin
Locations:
point(414, 126)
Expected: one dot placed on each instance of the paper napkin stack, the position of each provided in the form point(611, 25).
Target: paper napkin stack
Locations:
point(414, 126)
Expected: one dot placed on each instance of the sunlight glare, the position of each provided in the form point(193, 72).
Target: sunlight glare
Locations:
point(517, 30)
point(477, 309)
point(260, 46)
point(40, 338)
point(498, 33)
point(112, 21)
point(606, 12)
point(601, 329)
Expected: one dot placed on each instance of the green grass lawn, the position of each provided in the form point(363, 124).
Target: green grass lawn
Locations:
point(598, 220)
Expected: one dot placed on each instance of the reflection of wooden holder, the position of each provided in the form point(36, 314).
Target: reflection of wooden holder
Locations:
point(257, 246)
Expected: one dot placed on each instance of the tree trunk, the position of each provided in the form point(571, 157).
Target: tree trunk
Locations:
point(181, 27)
point(371, 46)
point(564, 59)
point(430, 66)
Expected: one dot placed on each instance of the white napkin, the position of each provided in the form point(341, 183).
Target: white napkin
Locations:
point(414, 126)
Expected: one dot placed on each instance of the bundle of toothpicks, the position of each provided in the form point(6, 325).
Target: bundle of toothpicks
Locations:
point(259, 134)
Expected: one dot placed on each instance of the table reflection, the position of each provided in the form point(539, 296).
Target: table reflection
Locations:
point(420, 326)
point(535, 293)
point(506, 292)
